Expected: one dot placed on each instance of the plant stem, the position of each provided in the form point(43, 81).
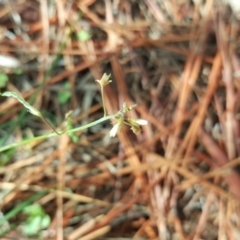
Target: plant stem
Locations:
point(103, 101)
point(56, 133)
point(50, 125)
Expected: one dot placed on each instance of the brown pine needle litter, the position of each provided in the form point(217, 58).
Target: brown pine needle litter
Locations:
point(158, 83)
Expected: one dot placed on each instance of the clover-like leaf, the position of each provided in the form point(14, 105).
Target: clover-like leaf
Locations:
point(36, 221)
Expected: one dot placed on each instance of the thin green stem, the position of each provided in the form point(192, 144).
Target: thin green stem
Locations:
point(56, 133)
point(50, 125)
point(103, 101)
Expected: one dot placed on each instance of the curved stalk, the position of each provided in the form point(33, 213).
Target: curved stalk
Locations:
point(50, 125)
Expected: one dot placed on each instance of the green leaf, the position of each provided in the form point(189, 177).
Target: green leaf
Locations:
point(3, 80)
point(33, 210)
point(46, 220)
point(83, 35)
point(68, 119)
point(36, 221)
point(34, 224)
point(13, 212)
point(64, 95)
point(6, 157)
point(30, 108)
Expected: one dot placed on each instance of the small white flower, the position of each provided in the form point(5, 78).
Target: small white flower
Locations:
point(136, 129)
point(116, 127)
point(141, 122)
point(134, 121)
point(104, 80)
point(128, 108)
point(135, 124)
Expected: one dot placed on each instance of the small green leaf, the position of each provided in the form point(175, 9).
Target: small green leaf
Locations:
point(6, 156)
point(36, 221)
point(68, 119)
point(18, 71)
point(83, 35)
point(30, 108)
point(32, 226)
point(3, 80)
point(45, 221)
point(64, 95)
point(33, 210)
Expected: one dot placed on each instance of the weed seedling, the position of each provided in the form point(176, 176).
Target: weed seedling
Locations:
point(119, 118)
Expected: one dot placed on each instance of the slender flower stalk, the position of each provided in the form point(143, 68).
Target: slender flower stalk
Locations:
point(104, 81)
point(103, 102)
